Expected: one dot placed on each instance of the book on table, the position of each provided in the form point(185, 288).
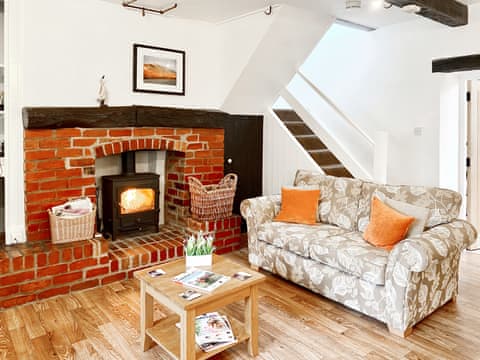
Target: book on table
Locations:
point(201, 279)
point(212, 331)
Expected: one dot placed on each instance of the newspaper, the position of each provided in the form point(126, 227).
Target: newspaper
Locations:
point(73, 208)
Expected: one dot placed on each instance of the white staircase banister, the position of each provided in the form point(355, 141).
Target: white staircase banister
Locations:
point(335, 107)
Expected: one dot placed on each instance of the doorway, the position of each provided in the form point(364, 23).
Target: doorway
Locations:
point(472, 193)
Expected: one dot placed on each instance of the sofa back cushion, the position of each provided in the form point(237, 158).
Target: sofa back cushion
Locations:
point(443, 204)
point(339, 197)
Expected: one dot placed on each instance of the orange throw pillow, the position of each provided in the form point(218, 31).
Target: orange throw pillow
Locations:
point(387, 226)
point(299, 206)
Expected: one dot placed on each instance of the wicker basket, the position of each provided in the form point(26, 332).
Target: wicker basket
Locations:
point(212, 202)
point(65, 230)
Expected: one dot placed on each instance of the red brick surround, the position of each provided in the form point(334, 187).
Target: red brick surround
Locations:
point(60, 164)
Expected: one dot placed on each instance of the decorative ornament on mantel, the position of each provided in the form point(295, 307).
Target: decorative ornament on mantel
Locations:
point(102, 93)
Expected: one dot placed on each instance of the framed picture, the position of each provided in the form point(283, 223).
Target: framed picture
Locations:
point(158, 70)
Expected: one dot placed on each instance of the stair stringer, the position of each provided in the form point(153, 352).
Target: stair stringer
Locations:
point(353, 166)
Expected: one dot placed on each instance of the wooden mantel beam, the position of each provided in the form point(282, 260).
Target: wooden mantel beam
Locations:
point(448, 12)
point(125, 116)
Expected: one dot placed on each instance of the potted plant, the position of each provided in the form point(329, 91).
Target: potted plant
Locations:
point(199, 250)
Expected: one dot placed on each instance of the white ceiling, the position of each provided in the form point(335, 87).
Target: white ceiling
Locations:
point(216, 11)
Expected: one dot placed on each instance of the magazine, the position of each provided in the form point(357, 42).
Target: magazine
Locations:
point(189, 295)
point(201, 279)
point(212, 331)
point(156, 273)
point(242, 276)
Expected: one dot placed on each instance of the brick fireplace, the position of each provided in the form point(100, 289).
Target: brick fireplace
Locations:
point(61, 146)
point(60, 164)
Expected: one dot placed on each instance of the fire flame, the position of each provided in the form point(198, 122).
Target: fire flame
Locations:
point(137, 200)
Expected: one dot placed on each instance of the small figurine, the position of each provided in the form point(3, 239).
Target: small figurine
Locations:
point(102, 92)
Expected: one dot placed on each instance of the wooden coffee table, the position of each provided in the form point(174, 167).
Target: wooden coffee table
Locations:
point(180, 343)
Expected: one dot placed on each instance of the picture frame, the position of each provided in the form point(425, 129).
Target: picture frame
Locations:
point(158, 70)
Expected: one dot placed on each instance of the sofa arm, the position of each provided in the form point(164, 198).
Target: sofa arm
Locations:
point(422, 273)
point(257, 211)
point(261, 209)
point(417, 252)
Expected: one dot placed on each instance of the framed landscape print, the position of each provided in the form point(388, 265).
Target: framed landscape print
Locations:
point(158, 70)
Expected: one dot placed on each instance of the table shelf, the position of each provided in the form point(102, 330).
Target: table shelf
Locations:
point(167, 336)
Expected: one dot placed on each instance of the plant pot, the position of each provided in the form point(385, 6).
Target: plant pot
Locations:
point(198, 260)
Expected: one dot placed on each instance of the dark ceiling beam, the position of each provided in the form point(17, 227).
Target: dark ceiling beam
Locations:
point(459, 63)
point(448, 12)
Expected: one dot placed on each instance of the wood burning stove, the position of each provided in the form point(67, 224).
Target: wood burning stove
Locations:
point(130, 201)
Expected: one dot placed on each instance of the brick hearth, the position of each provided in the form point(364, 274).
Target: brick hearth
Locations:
point(39, 270)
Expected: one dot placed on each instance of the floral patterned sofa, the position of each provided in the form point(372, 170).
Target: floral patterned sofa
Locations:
point(398, 287)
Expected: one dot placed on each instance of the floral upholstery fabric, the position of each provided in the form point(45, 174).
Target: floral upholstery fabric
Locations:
point(350, 253)
point(421, 272)
point(296, 238)
point(444, 204)
point(339, 286)
point(339, 197)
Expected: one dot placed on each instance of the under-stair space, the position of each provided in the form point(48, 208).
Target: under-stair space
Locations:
point(312, 144)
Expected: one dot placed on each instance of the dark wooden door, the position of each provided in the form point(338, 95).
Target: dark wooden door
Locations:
point(244, 156)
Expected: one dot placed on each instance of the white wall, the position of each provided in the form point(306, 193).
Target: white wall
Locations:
point(383, 81)
point(69, 45)
point(239, 40)
point(449, 124)
point(289, 40)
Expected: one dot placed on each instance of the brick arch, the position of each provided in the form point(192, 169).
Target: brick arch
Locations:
point(143, 143)
point(60, 164)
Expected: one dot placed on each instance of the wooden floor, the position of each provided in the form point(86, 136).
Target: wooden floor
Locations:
point(103, 323)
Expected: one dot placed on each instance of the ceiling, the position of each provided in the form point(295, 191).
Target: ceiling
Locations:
point(371, 14)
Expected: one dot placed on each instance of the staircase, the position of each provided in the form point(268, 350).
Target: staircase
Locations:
point(312, 144)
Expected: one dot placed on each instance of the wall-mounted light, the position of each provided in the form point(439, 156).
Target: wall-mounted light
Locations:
point(412, 8)
point(353, 4)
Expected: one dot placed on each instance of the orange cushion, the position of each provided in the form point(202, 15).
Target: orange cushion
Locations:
point(387, 226)
point(299, 205)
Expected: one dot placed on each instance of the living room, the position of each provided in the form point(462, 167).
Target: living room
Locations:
point(241, 62)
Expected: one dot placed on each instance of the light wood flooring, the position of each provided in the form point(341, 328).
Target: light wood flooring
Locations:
point(103, 323)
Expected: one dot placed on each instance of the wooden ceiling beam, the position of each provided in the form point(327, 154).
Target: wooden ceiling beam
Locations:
point(448, 12)
point(459, 63)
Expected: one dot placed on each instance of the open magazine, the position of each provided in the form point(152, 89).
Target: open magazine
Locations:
point(212, 331)
point(201, 279)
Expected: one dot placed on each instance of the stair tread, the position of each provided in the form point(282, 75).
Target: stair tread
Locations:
point(316, 151)
point(293, 122)
point(306, 136)
point(334, 166)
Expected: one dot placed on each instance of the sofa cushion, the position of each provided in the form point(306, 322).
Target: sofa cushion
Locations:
point(348, 252)
point(339, 197)
point(299, 205)
point(296, 237)
point(419, 213)
point(387, 226)
point(443, 204)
